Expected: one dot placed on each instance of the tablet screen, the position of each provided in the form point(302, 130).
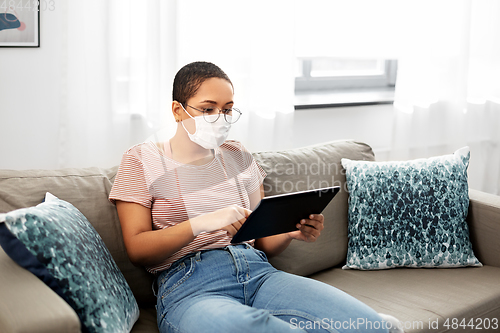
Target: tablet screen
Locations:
point(281, 213)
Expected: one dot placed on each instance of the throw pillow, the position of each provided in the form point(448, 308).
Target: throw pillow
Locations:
point(409, 214)
point(56, 243)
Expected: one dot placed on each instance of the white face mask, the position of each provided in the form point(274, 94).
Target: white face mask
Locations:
point(209, 135)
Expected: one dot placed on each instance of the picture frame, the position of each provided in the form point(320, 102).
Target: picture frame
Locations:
point(19, 23)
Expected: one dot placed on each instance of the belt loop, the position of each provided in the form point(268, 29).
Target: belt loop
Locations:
point(155, 284)
point(197, 257)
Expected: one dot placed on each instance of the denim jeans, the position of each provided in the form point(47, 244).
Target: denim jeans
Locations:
point(235, 289)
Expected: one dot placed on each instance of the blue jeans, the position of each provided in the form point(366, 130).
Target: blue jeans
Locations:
point(235, 289)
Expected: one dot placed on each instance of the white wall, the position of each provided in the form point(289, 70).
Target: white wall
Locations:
point(29, 100)
point(371, 124)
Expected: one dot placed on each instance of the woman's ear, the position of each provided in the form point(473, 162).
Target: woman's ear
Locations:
point(177, 111)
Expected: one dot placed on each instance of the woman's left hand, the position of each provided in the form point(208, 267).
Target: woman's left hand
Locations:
point(309, 229)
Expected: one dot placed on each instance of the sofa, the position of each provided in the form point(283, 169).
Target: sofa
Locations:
point(462, 299)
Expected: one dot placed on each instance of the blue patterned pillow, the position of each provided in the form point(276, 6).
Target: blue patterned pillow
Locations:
point(409, 214)
point(56, 242)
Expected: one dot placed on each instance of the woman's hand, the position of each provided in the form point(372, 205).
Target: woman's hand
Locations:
point(309, 229)
point(230, 219)
point(148, 247)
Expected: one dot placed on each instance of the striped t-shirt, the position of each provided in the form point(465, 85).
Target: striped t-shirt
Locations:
point(176, 192)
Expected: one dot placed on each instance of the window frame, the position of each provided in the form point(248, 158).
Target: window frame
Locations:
point(307, 83)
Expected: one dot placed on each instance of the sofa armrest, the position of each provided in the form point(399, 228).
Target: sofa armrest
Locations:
point(28, 305)
point(484, 225)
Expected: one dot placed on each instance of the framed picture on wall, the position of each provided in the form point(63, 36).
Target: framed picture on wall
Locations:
point(19, 23)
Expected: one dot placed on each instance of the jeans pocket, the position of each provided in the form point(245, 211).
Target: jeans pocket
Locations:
point(175, 277)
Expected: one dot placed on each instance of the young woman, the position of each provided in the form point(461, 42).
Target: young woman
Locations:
point(181, 201)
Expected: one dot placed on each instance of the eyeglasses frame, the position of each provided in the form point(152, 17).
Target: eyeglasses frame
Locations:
point(218, 114)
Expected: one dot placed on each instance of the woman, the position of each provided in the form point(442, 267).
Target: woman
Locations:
point(179, 204)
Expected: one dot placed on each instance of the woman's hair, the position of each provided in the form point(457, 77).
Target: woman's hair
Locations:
point(189, 78)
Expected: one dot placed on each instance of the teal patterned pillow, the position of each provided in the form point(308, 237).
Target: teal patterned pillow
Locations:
point(409, 214)
point(56, 242)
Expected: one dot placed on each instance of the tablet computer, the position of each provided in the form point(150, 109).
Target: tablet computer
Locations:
point(281, 213)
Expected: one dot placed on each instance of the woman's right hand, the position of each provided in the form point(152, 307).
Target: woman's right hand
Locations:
point(230, 219)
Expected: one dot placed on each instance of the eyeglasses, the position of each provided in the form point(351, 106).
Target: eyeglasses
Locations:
point(233, 113)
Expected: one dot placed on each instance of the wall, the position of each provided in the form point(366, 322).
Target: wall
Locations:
point(371, 124)
point(29, 100)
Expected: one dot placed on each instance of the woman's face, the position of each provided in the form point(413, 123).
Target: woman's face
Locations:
point(212, 92)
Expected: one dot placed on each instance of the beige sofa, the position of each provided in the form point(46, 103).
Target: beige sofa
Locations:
point(425, 300)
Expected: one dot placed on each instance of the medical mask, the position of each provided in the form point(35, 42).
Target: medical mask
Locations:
point(208, 134)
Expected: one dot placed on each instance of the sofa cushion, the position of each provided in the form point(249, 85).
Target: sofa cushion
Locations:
point(56, 243)
point(409, 214)
point(309, 168)
point(420, 297)
point(87, 189)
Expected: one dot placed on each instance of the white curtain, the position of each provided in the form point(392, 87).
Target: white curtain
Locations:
point(448, 83)
point(118, 64)
point(107, 102)
point(448, 88)
point(252, 41)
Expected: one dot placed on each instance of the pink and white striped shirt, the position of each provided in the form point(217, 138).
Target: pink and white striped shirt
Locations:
point(176, 192)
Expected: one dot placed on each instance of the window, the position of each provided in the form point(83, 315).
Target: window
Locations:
point(323, 81)
point(315, 74)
